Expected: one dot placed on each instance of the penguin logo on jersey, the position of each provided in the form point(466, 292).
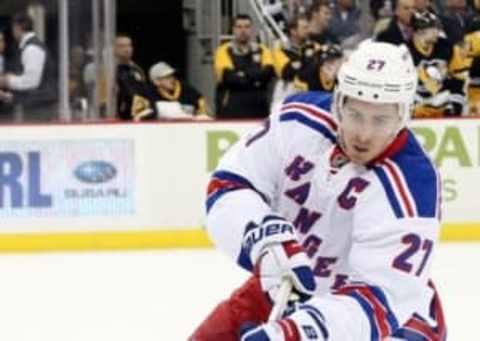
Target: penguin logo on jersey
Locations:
point(432, 73)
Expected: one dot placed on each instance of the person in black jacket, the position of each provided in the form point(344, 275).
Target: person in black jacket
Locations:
point(131, 80)
point(34, 86)
point(296, 54)
point(292, 57)
point(399, 30)
point(244, 69)
point(319, 15)
point(455, 19)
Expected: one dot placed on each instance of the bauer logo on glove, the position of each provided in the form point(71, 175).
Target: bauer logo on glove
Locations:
point(255, 233)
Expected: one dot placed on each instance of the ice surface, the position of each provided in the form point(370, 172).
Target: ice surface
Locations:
point(163, 295)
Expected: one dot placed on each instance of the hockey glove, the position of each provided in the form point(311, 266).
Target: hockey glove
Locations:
point(274, 250)
point(305, 324)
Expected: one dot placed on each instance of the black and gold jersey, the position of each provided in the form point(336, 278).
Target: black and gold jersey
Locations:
point(131, 82)
point(190, 100)
point(314, 80)
point(441, 73)
point(243, 75)
point(472, 45)
point(289, 60)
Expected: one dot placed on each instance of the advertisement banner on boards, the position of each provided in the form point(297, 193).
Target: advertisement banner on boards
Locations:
point(453, 145)
point(67, 178)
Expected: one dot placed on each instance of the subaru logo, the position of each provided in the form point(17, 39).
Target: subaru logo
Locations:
point(95, 172)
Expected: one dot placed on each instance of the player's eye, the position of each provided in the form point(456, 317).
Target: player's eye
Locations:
point(380, 120)
point(354, 115)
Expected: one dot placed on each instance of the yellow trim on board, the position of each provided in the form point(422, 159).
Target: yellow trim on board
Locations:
point(466, 232)
point(156, 239)
point(104, 241)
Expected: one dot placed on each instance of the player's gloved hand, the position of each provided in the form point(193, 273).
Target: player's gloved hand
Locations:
point(305, 324)
point(274, 250)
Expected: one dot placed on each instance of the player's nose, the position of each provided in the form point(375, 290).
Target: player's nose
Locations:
point(365, 133)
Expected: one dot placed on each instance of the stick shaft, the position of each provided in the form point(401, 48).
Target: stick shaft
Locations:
point(281, 300)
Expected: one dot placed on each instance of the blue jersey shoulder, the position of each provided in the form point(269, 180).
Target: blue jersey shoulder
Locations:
point(311, 110)
point(320, 99)
point(411, 181)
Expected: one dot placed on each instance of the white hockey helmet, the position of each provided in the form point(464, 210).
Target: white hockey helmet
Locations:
point(380, 73)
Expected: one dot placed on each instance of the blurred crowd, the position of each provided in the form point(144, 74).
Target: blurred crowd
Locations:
point(252, 79)
point(442, 37)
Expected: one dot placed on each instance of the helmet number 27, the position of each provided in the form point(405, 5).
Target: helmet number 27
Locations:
point(375, 64)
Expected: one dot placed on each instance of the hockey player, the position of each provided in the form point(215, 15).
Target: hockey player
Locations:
point(345, 206)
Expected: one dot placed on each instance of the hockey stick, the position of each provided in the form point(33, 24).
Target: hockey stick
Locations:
point(281, 300)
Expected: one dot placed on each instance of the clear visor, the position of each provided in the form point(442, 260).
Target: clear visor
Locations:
point(368, 118)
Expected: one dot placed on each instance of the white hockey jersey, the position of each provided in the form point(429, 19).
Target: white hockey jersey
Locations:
point(370, 231)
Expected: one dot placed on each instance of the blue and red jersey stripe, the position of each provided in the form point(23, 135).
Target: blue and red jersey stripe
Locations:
point(374, 303)
point(312, 117)
point(410, 180)
point(223, 182)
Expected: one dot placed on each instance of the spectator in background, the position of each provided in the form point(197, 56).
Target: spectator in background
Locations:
point(132, 87)
point(472, 46)
point(380, 9)
point(6, 97)
point(455, 19)
point(322, 75)
point(440, 91)
point(291, 57)
point(76, 85)
point(345, 22)
point(423, 6)
point(319, 15)
point(35, 86)
point(399, 30)
point(243, 70)
point(172, 98)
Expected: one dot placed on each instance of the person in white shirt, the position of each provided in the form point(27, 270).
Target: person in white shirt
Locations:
point(35, 86)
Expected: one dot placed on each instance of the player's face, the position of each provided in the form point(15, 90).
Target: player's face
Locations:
point(367, 128)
